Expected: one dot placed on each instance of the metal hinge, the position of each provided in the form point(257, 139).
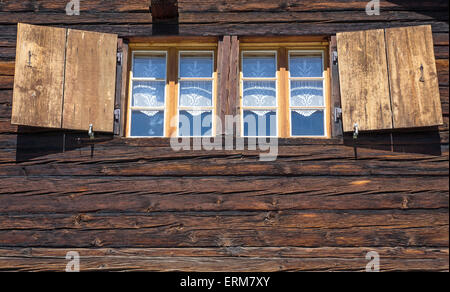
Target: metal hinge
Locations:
point(119, 58)
point(117, 115)
point(335, 57)
point(337, 114)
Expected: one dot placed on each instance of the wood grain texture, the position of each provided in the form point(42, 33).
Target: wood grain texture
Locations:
point(225, 259)
point(39, 76)
point(335, 92)
point(364, 81)
point(113, 195)
point(413, 77)
point(90, 77)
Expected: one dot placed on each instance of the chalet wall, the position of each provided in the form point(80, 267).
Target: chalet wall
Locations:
point(138, 205)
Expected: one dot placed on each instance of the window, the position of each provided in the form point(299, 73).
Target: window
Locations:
point(284, 92)
point(148, 94)
point(172, 93)
point(307, 104)
point(259, 94)
point(196, 103)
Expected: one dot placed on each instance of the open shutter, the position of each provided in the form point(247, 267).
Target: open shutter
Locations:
point(79, 70)
point(388, 79)
point(39, 76)
point(413, 77)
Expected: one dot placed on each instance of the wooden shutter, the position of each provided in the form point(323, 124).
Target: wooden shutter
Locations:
point(413, 77)
point(89, 90)
point(381, 79)
point(71, 81)
point(39, 76)
point(363, 74)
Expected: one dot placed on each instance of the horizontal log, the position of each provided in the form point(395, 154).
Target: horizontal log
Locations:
point(223, 6)
point(307, 16)
point(302, 220)
point(61, 18)
point(322, 160)
point(90, 17)
point(255, 29)
point(270, 5)
point(301, 229)
point(86, 6)
point(237, 259)
point(21, 195)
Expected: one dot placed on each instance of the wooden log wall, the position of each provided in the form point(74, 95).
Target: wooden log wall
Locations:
point(129, 205)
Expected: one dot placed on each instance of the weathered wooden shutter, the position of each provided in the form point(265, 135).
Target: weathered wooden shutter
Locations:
point(64, 78)
point(39, 76)
point(388, 79)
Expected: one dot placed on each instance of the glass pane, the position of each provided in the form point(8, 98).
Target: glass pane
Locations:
point(149, 66)
point(306, 66)
point(196, 66)
point(307, 93)
point(260, 123)
point(196, 93)
point(259, 66)
point(307, 123)
point(148, 94)
point(147, 123)
point(260, 93)
point(195, 123)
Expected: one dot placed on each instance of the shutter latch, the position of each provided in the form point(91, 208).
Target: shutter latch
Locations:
point(91, 132)
point(119, 58)
point(355, 140)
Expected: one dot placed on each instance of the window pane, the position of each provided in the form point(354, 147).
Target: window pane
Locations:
point(148, 94)
point(196, 93)
point(147, 123)
point(306, 66)
point(260, 123)
point(195, 123)
point(307, 123)
point(307, 93)
point(259, 66)
point(196, 66)
point(149, 66)
point(260, 93)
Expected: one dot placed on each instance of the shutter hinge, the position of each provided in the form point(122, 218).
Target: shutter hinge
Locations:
point(337, 114)
point(117, 115)
point(335, 57)
point(119, 58)
point(117, 121)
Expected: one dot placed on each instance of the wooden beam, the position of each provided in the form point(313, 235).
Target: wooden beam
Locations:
point(164, 9)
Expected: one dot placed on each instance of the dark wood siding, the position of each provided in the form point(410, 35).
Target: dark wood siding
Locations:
point(138, 205)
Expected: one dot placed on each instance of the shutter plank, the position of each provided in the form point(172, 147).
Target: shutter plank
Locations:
point(39, 79)
point(415, 103)
point(89, 91)
point(364, 80)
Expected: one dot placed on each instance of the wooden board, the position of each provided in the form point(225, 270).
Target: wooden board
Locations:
point(415, 103)
point(89, 89)
point(39, 76)
point(364, 80)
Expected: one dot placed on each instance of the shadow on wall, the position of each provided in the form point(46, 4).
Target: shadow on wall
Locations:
point(37, 142)
point(424, 141)
point(437, 8)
